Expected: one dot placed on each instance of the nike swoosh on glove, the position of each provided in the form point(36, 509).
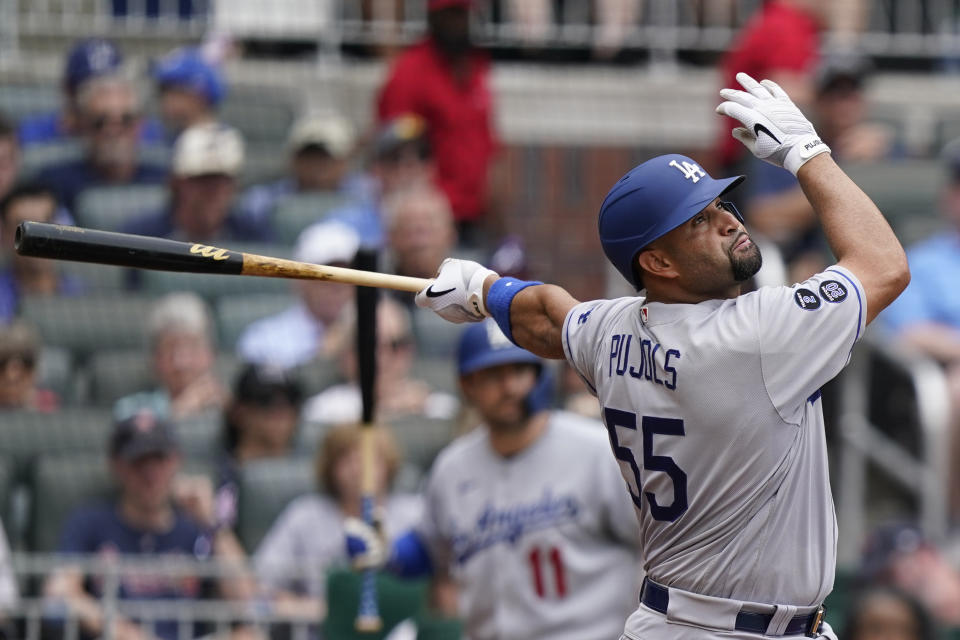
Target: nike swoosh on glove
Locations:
point(457, 292)
point(773, 128)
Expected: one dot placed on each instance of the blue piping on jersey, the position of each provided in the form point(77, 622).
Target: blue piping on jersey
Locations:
point(566, 350)
point(859, 303)
point(814, 396)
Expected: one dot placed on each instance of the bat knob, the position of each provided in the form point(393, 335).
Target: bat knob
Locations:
point(368, 623)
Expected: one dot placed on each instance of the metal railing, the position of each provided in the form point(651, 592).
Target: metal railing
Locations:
point(37, 616)
point(921, 470)
point(912, 28)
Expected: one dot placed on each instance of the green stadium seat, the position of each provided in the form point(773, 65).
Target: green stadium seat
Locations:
point(200, 435)
point(907, 192)
point(297, 212)
point(398, 600)
point(440, 372)
point(266, 487)
point(262, 163)
point(54, 371)
point(27, 435)
point(60, 484)
point(317, 375)
point(86, 324)
point(235, 313)
point(435, 336)
point(211, 286)
point(109, 208)
point(18, 101)
point(96, 278)
point(37, 156)
point(117, 373)
point(261, 118)
point(422, 438)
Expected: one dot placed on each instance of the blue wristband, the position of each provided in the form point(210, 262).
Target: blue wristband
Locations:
point(499, 298)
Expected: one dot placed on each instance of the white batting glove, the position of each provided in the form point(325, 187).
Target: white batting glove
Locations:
point(366, 546)
point(773, 129)
point(457, 292)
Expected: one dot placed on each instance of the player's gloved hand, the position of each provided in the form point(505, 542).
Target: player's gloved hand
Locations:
point(366, 544)
point(773, 129)
point(457, 292)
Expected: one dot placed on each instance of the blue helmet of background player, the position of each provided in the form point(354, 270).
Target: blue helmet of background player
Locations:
point(187, 69)
point(483, 345)
point(651, 200)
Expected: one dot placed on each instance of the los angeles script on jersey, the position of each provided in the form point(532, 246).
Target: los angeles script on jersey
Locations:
point(643, 359)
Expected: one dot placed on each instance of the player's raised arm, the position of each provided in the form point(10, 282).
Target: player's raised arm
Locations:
point(776, 131)
point(531, 314)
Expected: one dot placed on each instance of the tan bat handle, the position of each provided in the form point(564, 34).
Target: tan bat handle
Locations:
point(254, 265)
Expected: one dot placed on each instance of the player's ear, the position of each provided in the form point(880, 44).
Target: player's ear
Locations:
point(656, 262)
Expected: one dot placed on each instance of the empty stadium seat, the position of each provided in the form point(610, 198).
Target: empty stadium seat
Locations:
point(907, 193)
point(26, 435)
point(54, 370)
point(109, 208)
point(85, 324)
point(37, 156)
point(266, 487)
point(60, 484)
point(398, 599)
point(235, 313)
point(439, 372)
point(317, 375)
point(261, 117)
point(116, 373)
point(18, 101)
point(296, 212)
point(422, 438)
point(95, 278)
point(435, 336)
point(212, 285)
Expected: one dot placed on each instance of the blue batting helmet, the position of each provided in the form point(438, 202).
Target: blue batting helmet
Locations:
point(651, 200)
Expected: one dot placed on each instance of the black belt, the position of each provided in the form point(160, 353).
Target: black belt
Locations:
point(657, 597)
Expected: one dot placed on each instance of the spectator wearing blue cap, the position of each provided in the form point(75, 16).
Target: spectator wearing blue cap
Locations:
point(525, 515)
point(189, 88)
point(88, 59)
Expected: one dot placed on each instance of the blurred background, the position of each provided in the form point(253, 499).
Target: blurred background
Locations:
point(485, 129)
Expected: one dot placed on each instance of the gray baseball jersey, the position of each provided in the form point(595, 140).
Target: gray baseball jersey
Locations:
point(542, 544)
point(713, 413)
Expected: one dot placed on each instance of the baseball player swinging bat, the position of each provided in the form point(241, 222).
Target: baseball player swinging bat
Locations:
point(42, 240)
point(368, 615)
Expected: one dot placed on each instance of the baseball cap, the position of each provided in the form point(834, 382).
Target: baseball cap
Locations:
point(89, 58)
point(331, 131)
point(141, 434)
point(841, 71)
point(209, 148)
point(327, 243)
point(651, 200)
point(483, 345)
point(187, 69)
point(406, 129)
point(437, 5)
point(267, 385)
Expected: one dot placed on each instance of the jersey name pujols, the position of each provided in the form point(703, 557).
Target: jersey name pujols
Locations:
point(643, 359)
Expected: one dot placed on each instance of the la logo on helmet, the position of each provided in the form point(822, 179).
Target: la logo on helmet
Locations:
point(690, 170)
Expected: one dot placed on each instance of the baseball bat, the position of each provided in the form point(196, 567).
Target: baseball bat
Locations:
point(368, 614)
point(61, 242)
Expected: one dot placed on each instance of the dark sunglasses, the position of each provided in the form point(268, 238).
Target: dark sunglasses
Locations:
point(26, 359)
point(732, 208)
point(125, 120)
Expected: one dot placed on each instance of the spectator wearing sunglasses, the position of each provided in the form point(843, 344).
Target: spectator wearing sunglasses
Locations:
point(20, 275)
point(19, 352)
point(397, 392)
point(109, 120)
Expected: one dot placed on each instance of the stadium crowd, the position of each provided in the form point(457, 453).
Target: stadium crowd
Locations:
point(212, 405)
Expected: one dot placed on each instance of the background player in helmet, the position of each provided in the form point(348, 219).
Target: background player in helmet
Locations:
point(530, 552)
point(711, 398)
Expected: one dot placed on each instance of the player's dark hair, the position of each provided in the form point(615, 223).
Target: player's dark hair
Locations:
point(24, 191)
point(7, 128)
point(925, 624)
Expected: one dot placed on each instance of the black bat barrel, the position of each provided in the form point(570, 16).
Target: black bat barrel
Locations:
point(60, 242)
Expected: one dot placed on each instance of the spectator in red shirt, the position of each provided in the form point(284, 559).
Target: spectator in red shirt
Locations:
point(445, 80)
point(781, 42)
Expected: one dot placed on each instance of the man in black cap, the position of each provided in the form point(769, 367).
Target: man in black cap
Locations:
point(155, 513)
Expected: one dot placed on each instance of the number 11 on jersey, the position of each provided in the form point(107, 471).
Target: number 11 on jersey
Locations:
point(650, 426)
